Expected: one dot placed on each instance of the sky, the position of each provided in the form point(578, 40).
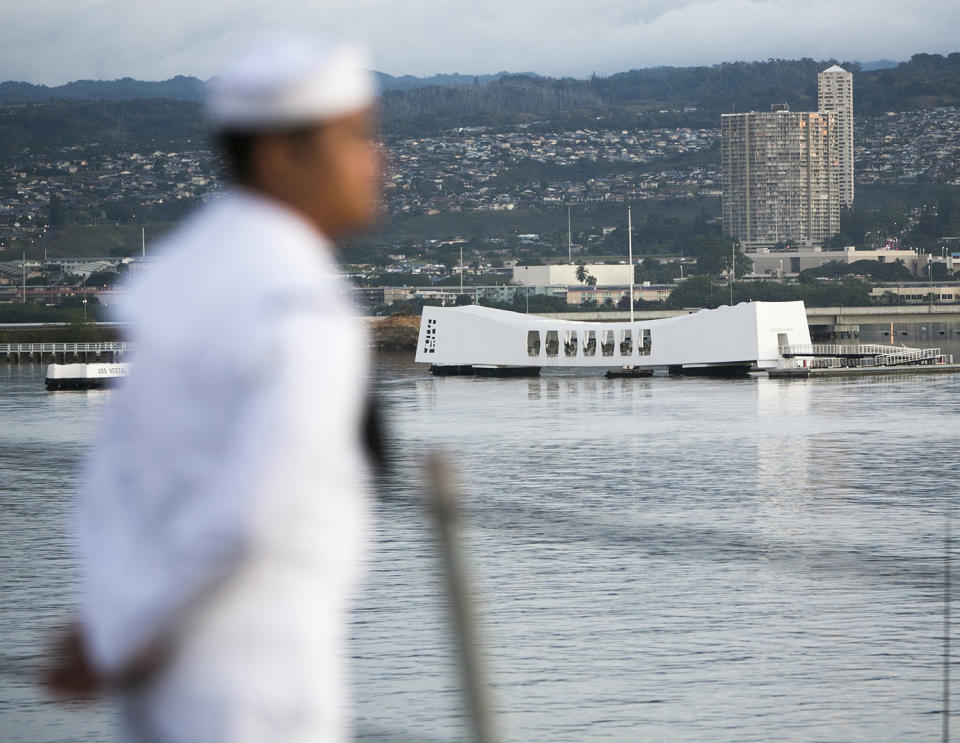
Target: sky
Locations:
point(56, 41)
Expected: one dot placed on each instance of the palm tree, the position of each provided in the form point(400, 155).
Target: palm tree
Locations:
point(582, 273)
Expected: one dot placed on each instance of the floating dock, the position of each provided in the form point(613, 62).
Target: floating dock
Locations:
point(863, 371)
point(832, 360)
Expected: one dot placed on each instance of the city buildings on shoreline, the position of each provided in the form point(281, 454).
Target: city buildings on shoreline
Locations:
point(785, 174)
point(454, 172)
point(835, 95)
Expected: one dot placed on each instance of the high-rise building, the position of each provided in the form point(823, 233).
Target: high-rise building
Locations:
point(835, 94)
point(778, 177)
point(785, 174)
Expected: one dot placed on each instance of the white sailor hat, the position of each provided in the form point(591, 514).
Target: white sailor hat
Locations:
point(290, 81)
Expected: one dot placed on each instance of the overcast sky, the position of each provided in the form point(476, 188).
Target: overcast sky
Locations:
point(56, 41)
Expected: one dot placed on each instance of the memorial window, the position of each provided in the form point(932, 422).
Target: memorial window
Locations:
point(570, 343)
point(643, 342)
point(533, 343)
point(430, 337)
point(606, 342)
point(590, 344)
point(553, 343)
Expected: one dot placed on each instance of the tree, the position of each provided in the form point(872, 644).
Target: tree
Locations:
point(652, 270)
point(853, 227)
point(102, 278)
point(55, 211)
point(694, 292)
point(582, 273)
point(714, 256)
point(591, 280)
point(945, 210)
point(940, 272)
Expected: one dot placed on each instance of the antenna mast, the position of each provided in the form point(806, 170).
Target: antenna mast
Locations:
point(733, 269)
point(630, 251)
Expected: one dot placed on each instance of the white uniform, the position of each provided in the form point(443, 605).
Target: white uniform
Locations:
point(223, 510)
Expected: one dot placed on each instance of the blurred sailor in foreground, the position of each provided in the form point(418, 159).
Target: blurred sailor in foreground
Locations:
point(222, 514)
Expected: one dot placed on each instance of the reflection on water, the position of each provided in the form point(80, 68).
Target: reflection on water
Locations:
point(783, 443)
point(669, 558)
point(658, 559)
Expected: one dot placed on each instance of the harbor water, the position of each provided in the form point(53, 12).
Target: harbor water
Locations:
point(670, 559)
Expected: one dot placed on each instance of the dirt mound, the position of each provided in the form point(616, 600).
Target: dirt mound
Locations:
point(395, 333)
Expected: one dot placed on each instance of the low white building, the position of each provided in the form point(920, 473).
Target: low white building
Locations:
point(771, 262)
point(565, 274)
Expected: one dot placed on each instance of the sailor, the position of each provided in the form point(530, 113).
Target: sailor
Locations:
point(222, 514)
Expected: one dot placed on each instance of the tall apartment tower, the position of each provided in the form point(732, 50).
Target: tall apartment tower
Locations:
point(786, 175)
point(835, 94)
point(779, 177)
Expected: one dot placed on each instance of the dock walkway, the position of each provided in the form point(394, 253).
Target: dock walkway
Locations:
point(16, 352)
point(861, 371)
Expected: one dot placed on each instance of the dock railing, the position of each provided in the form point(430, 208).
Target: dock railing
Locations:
point(828, 356)
point(850, 350)
point(16, 351)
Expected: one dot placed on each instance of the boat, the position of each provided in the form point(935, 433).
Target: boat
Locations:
point(84, 376)
point(728, 340)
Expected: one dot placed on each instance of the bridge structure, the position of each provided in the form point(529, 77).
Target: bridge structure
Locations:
point(896, 314)
point(816, 316)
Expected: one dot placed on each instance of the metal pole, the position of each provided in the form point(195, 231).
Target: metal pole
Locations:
point(445, 509)
point(23, 275)
point(733, 269)
point(946, 625)
point(461, 269)
point(630, 250)
point(569, 237)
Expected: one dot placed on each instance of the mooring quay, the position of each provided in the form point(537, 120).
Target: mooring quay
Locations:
point(823, 360)
point(63, 352)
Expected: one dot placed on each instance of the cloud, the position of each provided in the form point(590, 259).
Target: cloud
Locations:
point(53, 41)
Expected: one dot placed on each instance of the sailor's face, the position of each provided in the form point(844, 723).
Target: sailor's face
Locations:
point(342, 173)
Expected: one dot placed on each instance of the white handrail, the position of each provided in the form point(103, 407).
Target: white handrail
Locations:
point(63, 347)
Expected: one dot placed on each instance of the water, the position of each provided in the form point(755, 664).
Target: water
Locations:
point(659, 559)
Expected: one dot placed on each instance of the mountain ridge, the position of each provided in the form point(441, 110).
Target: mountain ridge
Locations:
point(188, 88)
point(128, 110)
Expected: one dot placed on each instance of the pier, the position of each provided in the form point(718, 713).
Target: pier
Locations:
point(863, 354)
point(815, 360)
point(62, 352)
point(864, 371)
